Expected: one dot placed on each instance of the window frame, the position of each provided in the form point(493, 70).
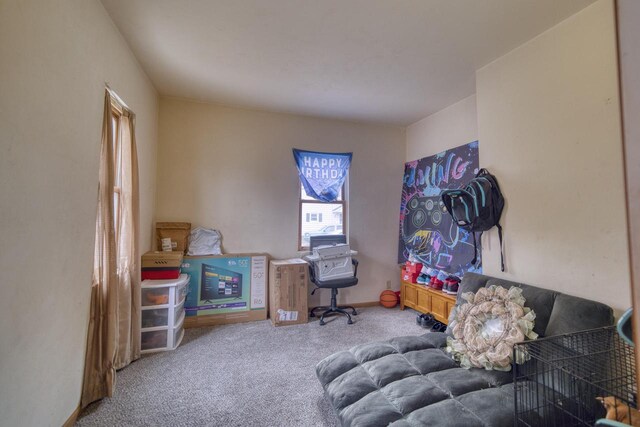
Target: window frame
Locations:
point(117, 112)
point(301, 202)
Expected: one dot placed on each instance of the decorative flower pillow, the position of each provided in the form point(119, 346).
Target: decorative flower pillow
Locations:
point(487, 326)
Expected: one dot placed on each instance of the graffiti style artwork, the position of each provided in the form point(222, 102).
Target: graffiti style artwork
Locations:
point(426, 229)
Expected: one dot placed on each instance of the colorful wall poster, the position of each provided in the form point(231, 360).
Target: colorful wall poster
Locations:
point(223, 284)
point(427, 231)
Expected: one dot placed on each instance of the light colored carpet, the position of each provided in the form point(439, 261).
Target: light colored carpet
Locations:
point(246, 374)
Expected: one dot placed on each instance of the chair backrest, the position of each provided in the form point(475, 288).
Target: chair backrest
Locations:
point(326, 239)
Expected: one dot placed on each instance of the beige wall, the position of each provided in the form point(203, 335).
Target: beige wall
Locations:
point(549, 128)
point(56, 57)
point(448, 128)
point(233, 170)
point(628, 15)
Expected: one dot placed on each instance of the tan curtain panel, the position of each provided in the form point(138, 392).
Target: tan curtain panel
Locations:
point(128, 336)
point(114, 322)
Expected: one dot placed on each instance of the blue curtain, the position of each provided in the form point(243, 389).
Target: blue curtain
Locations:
point(322, 174)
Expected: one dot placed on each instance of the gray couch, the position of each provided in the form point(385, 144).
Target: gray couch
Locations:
point(412, 381)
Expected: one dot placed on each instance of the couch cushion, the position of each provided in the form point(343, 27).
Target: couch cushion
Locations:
point(430, 360)
point(412, 381)
point(446, 413)
point(538, 299)
point(335, 365)
point(573, 314)
point(458, 381)
point(350, 387)
point(349, 376)
point(435, 340)
point(375, 350)
point(419, 386)
point(389, 368)
point(494, 406)
point(374, 409)
point(493, 378)
point(413, 393)
point(471, 282)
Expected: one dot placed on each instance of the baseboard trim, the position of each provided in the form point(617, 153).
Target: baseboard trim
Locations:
point(72, 419)
point(364, 304)
point(358, 304)
point(220, 319)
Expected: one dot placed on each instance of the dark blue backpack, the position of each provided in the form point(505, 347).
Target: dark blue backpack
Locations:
point(477, 207)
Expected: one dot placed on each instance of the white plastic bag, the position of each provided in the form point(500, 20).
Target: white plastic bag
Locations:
point(204, 241)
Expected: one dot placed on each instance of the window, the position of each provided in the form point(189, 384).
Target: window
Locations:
point(116, 114)
point(115, 285)
point(317, 217)
point(321, 193)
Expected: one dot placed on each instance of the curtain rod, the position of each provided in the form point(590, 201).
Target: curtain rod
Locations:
point(116, 97)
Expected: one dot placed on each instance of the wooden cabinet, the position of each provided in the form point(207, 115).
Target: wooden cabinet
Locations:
point(409, 295)
point(426, 300)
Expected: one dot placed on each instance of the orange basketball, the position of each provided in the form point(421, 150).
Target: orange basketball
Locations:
point(388, 299)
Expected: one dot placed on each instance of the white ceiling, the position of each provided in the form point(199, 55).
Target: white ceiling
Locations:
point(388, 61)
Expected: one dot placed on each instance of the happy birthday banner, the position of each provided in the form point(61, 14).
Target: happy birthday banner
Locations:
point(322, 174)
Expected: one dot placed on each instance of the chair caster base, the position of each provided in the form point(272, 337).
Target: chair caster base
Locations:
point(349, 307)
point(333, 309)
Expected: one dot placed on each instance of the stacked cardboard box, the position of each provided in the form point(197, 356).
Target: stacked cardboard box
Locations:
point(161, 265)
point(288, 292)
point(223, 289)
point(177, 233)
point(411, 271)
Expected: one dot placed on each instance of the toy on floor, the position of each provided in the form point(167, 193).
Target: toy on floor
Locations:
point(619, 411)
point(388, 299)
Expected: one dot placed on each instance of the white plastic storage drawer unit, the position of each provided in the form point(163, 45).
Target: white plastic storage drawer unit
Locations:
point(162, 313)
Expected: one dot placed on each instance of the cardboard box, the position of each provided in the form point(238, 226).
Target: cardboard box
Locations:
point(413, 267)
point(410, 277)
point(225, 289)
point(288, 292)
point(178, 232)
point(157, 259)
point(161, 265)
point(160, 273)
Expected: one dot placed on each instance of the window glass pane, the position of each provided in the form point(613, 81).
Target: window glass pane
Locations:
point(116, 210)
point(328, 220)
point(304, 196)
point(117, 151)
point(114, 133)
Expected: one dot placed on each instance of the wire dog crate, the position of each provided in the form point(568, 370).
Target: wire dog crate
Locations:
point(564, 375)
